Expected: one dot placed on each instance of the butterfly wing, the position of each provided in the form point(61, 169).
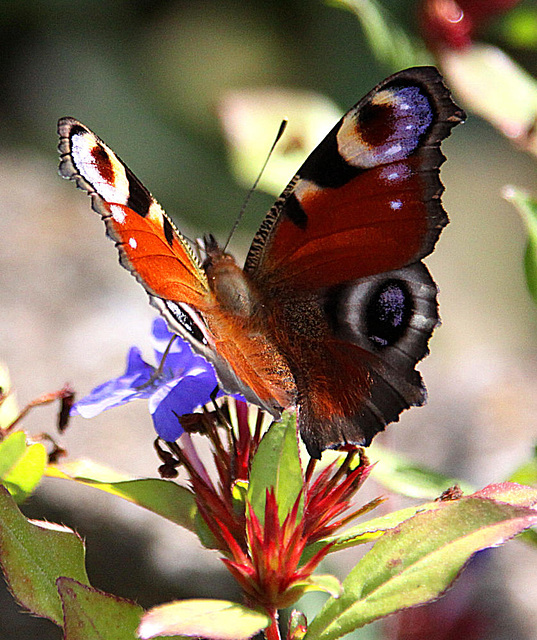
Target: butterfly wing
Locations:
point(339, 255)
point(150, 246)
point(367, 199)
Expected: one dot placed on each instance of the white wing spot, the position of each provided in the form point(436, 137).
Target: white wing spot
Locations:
point(117, 213)
point(396, 204)
point(133, 243)
point(396, 148)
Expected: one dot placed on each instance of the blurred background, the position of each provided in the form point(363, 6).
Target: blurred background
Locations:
point(148, 77)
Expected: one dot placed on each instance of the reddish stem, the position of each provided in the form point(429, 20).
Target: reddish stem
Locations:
point(273, 631)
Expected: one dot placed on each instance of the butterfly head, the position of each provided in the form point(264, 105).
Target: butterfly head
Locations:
point(228, 282)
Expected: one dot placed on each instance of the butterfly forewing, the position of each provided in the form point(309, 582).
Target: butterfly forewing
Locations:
point(150, 246)
point(367, 199)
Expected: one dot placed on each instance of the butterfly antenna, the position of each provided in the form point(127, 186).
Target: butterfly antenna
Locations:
point(281, 130)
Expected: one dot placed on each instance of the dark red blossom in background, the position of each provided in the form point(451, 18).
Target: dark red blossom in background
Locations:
point(454, 24)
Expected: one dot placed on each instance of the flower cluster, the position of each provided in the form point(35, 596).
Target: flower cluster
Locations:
point(271, 554)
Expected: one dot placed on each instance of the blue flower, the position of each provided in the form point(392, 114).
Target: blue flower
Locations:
point(186, 382)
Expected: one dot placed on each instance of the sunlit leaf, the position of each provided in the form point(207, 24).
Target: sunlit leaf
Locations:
point(298, 625)
point(25, 471)
point(526, 473)
point(375, 528)
point(526, 205)
point(319, 582)
point(276, 464)
point(11, 451)
point(90, 614)
point(214, 619)
point(251, 119)
point(163, 497)
point(34, 555)
point(8, 404)
point(519, 27)
point(418, 560)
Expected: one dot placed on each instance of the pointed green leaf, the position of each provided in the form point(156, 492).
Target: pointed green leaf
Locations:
point(490, 83)
point(375, 528)
point(90, 614)
point(526, 205)
point(417, 561)
point(11, 451)
point(526, 473)
point(214, 619)
point(34, 555)
point(277, 464)
point(251, 118)
point(519, 27)
point(298, 624)
point(163, 497)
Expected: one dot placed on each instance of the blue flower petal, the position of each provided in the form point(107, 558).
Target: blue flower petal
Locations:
point(179, 397)
point(180, 358)
point(118, 391)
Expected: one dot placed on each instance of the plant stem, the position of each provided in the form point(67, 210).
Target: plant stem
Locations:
point(273, 631)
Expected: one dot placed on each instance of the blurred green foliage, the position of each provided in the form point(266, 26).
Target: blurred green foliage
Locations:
point(147, 77)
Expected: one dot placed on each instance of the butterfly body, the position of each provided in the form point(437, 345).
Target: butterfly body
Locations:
point(333, 308)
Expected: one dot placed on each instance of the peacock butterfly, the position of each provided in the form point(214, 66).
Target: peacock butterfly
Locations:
point(334, 306)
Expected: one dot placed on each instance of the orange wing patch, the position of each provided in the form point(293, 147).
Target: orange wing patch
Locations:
point(150, 246)
point(369, 225)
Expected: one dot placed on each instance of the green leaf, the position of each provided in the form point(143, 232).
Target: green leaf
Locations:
point(519, 27)
point(34, 555)
point(11, 451)
point(387, 40)
point(21, 465)
point(491, 84)
point(90, 614)
point(526, 205)
point(8, 405)
point(368, 531)
point(277, 464)
point(163, 497)
point(251, 118)
point(406, 477)
point(215, 619)
point(298, 624)
point(375, 528)
point(526, 473)
point(417, 561)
